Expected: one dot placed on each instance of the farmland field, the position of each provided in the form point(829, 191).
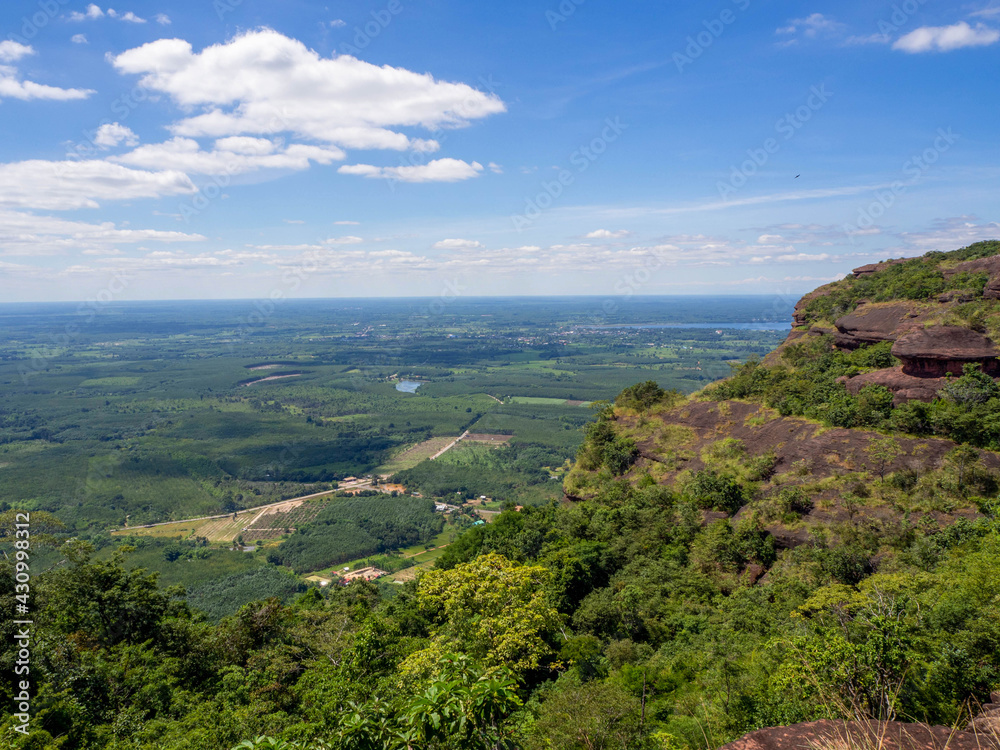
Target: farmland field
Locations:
point(142, 414)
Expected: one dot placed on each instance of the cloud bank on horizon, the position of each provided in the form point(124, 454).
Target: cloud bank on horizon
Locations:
point(215, 151)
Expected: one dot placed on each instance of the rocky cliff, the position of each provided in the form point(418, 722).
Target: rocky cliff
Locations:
point(937, 311)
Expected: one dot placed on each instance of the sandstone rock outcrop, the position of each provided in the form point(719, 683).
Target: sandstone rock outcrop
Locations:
point(904, 387)
point(928, 350)
point(871, 324)
point(936, 351)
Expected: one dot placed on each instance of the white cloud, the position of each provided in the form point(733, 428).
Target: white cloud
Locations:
point(495, 168)
point(802, 258)
point(111, 134)
point(606, 234)
point(439, 170)
point(811, 26)
point(338, 23)
point(946, 38)
point(79, 39)
point(60, 185)
point(130, 17)
point(92, 12)
point(263, 83)
point(28, 234)
point(12, 87)
point(767, 239)
point(347, 223)
point(457, 244)
point(294, 221)
point(947, 234)
point(232, 155)
point(343, 241)
point(162, 18)
point(12, 51)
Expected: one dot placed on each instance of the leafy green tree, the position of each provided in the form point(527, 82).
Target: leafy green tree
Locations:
point(882, 452)
point(492, 609)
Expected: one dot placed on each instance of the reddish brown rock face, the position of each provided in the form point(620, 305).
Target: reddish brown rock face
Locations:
point(867, 325)
point(904, 387)
point(936, 351)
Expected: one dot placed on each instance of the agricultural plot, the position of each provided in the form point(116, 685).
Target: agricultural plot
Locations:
point(273, 523)
point(413, 455)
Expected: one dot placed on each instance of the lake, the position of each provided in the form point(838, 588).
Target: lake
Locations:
point(408, 386)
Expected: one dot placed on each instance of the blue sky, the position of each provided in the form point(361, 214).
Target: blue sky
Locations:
point(254, 149)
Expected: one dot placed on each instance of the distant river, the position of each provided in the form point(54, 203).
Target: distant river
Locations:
point(408, 386)
point(772, 326)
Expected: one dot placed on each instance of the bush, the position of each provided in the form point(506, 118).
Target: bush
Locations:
point(712, 490)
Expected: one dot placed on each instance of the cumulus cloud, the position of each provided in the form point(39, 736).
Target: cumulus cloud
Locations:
point(337, 23)
point(93, 11)
point(946, 38)
point(262, 83)
point(63, 185)
point(162, 18)
point(79, 39)
point(607, 234)
point(232, 155)
point(439, 170)
point(457, 244)
point(111, 134)
point(129, 17)
point(13, 51)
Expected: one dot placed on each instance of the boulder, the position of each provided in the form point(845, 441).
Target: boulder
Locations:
point(871, 325)
point(936, 351)
point(904, 387)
